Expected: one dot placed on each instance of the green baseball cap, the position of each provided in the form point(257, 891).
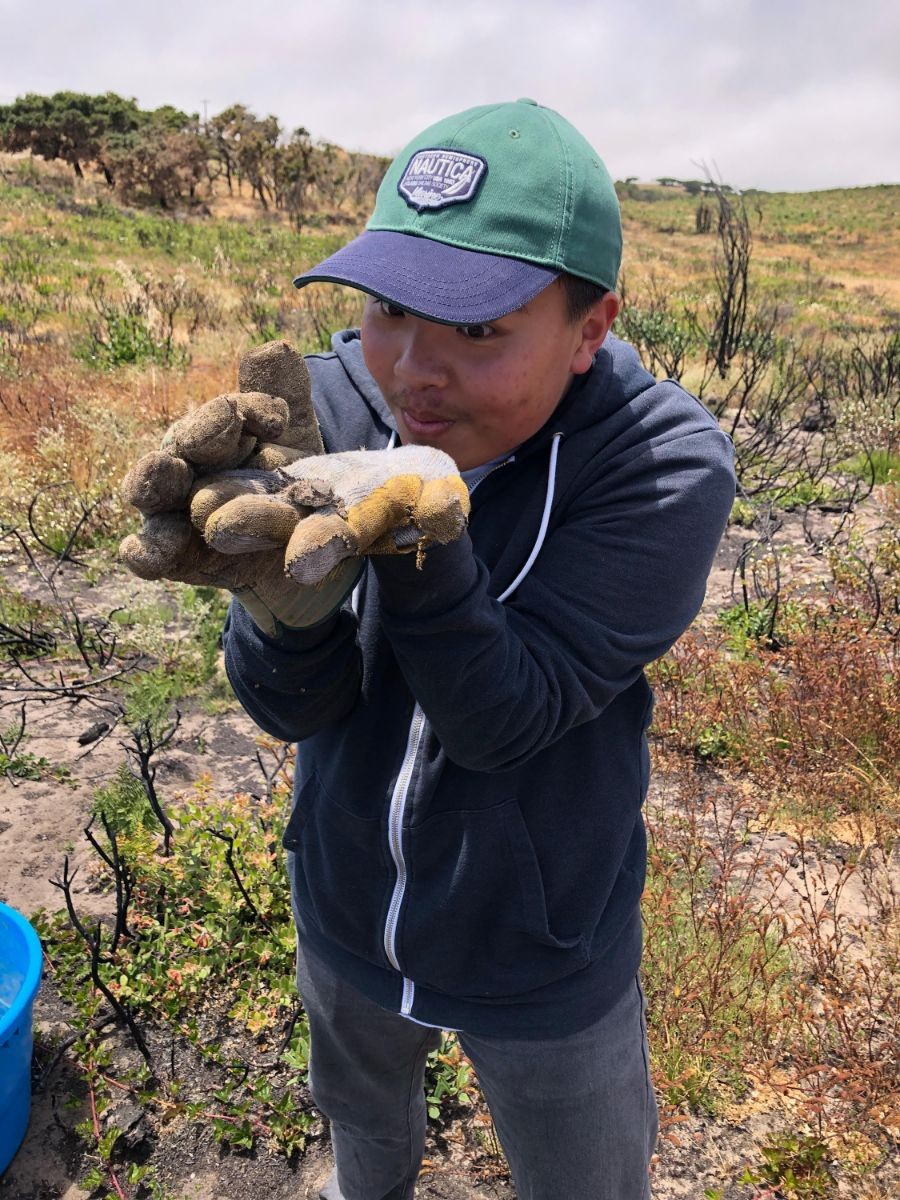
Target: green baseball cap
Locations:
point(481, 212)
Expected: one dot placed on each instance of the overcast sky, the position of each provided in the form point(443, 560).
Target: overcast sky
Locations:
point(796, 94)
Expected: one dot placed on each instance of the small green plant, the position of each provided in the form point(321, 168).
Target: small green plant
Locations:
point(139, 325)
point(794, 1165)
point(663, 336)
point(758, 626)
point(878, 466)
point(449, 1082)
point(743, 513)
point(25, 626)
point(183, 644)
point(715, 741)
point(123, 803)
point(803, 492)
point(16, 763)
point(22, 764)
point(746, 625)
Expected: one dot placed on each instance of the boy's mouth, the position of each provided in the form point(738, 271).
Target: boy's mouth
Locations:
point(423, 422)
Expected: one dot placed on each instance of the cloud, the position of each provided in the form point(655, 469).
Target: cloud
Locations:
point(788, 94)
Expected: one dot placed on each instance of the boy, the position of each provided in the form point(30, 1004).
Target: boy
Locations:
point(466, 846)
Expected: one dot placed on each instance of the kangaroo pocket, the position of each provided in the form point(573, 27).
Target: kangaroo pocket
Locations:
point(475, 919)
point(339, 870)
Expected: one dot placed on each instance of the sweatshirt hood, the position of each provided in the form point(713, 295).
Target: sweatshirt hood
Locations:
point(347, 345)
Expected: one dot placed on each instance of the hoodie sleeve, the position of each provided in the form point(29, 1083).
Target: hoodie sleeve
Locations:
point(620, 576)
point(295, 684)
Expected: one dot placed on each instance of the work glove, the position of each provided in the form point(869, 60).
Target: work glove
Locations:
point(286, 541)
point(328, 509)
point(268, 423)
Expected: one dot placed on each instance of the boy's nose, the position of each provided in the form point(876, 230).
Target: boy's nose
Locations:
point(421, 362)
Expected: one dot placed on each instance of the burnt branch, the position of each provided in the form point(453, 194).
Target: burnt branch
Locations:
point(93, 940)
point(229, 859)
point(26, 641)
point(146, 744)
point(122, 875)
point(87, 511)
point(69, 691)
point(280, 754)
point(96, 1026)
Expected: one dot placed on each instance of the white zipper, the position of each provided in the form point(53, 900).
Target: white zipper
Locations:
point(413, 741)
point(395, 843)
point(395, 829)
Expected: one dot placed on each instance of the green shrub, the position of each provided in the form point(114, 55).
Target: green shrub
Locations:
point(794, 1165)
point(123, 803)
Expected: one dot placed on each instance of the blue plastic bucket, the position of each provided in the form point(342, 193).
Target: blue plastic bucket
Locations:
point(20, 975)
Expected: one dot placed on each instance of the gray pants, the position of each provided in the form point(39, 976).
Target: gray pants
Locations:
point(576, 1116)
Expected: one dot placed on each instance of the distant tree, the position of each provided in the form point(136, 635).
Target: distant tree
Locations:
point(79, 129)
point(245, 145)
point(294, 175)
point(332, 174)
point(69, 126)
point(170, 119)
point(256, 156)
point(163, 159)
point(224, 132)
point(367, 172)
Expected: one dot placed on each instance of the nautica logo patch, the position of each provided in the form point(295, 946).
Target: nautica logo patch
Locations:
point(436, 178)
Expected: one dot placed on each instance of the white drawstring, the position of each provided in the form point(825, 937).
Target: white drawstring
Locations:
point(545, 520)
point(539, 540)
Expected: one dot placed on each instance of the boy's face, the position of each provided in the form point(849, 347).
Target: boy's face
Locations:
point(478, 391)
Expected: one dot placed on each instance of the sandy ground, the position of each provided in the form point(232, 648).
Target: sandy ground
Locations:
point(42, 821)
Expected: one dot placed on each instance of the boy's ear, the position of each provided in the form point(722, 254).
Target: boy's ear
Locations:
point(594, 326)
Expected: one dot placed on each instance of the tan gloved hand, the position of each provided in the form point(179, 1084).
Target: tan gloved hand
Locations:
point(286, 541)
point(269, 423)
point(332, 508)
point(169, 547)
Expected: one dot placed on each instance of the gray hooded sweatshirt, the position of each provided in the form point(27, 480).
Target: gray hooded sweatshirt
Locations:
point(466, 844)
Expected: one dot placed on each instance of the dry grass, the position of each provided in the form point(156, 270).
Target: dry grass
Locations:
point(772, 902)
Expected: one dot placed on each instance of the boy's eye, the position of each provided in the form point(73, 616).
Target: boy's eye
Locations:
point(388, 309)
point(476, 332)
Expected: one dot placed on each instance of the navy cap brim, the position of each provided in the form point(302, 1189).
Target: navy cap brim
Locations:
point(432, 280)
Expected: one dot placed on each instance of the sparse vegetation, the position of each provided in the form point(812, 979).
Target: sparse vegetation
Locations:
point(772, 907)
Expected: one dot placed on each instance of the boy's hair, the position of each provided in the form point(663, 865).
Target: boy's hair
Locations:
point(581, 295)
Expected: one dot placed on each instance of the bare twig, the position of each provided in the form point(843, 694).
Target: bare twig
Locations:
point(124, 879)
point(94, 943)
point(10, 740)
point(146, 744)
point(72, 691)
point(64, 555)
point(94, 1027)
point(229, 859)
point(281, 754)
